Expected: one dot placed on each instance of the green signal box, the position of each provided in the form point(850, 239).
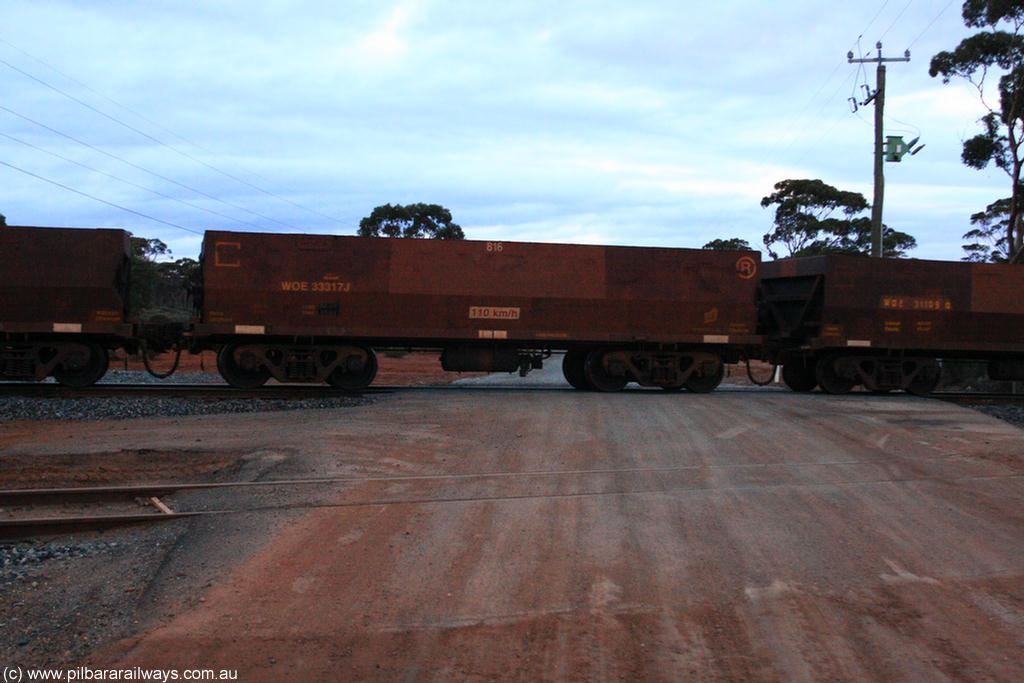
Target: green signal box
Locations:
point(895, 148)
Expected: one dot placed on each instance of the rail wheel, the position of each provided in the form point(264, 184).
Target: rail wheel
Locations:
point(356, 372)
point(705, 377)
point(926, 379)
point(799, 375)
point(83, 365)
point(573, 367)
point(831, 377)
point(241, 367)
point(599, 376)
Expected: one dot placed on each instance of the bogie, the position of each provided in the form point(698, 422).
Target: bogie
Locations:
point(836, 375)
point(356, 371)
point(799, 375)
point(82, 364)
point(698, 370)
point(705, 377)
point(75, 364)
point(241, 366)
point(605, 371)
point(248, 365)
point(573, 368)
point(839, 374)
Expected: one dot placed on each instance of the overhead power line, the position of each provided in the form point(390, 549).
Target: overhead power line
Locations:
point(128, 182)
point(931, 23)
point(872, 22)
point(85, 86)
point(154, 139)
point(801, 121)
point(140, 168)
point(897, 19)
point(95, 198)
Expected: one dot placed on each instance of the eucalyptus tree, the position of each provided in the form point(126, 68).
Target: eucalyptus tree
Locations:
point(998, 47)
point(813, 218)
point(412, 220)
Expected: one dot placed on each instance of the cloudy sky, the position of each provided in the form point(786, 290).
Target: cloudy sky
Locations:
point(644, 123)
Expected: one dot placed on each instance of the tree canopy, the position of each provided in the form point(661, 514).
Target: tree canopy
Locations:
point(160, 288)
point(805, 223)
point(3, 219)
point(731, 244)
point(1003, 127)
point(988, 243)
point(412, 220)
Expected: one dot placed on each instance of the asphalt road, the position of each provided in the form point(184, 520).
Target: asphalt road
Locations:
point(552, 535)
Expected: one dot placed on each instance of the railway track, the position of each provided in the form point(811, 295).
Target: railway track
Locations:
point(303, 391)
point(26, 523)
point(203, 391)
point(109, 505)
point(22, 519)
point(978, 396)
point(269, 392)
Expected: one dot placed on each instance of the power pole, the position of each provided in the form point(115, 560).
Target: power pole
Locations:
point(879, 99)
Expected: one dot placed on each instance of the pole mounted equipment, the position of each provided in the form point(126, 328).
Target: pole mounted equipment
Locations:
point(878, 97)
point(896, 148)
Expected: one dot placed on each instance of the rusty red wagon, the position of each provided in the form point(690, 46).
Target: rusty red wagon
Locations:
point(313, 308)
point(842, 321)
point(63, 301)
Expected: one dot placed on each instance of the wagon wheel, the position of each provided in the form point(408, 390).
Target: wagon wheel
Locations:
point(705, 377)
point(799, 375)
point(241, 367)
point(355, 373)
point(926, 379)
point(830, 378)
point(573, 368)
point(598, 376)
point(84, 363)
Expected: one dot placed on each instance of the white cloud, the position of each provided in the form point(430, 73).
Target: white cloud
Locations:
point(388, 41)
point(636, 123)
point(955, 105)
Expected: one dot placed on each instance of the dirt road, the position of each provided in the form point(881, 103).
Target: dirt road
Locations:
point(551, 535)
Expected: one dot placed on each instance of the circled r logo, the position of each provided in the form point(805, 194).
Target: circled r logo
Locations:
point(746, 267)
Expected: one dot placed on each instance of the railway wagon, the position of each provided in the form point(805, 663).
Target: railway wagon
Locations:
point(63, 299)
point(842, 321)
point(311, 308)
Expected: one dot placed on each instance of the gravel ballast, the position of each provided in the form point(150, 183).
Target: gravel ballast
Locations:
point(124, 408)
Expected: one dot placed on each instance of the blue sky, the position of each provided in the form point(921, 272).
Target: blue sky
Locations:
point(642, 123)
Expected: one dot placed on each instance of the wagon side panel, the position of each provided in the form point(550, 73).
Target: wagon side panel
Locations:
point(63, 280)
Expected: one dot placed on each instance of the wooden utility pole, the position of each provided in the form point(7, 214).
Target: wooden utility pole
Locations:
point(879, 98)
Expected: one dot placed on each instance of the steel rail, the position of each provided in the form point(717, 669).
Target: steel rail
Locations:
point(19, 528)
point(26, 526)
point(304, 391)
point(11, 529)
point(979, 395)
point(22, 496)
point(203, 391)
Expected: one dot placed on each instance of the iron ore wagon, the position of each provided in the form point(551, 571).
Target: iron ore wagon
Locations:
point(312, 308)
point(842, 321)
point(63, 302)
